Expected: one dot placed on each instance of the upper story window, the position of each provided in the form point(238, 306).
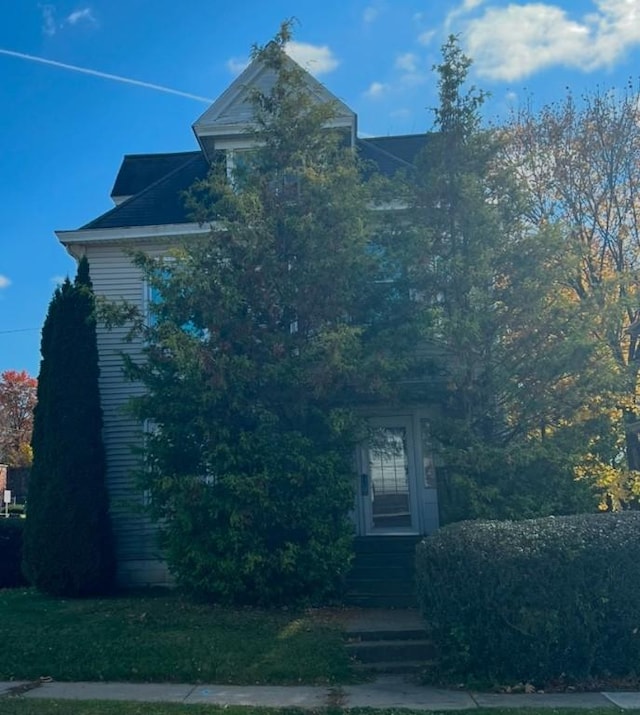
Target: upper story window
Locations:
point(238, 163)
point(153, 299)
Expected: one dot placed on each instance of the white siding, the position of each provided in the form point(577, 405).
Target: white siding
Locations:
point(139, 562)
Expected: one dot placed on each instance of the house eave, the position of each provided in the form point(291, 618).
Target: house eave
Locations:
point(110, 235)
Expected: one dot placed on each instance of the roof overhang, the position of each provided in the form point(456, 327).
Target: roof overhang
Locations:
point(135, 234)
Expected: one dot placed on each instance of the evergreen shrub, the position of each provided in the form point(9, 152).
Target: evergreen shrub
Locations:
point(273, 531)
point(11, 553)
point(68, 548)
point(534, 600)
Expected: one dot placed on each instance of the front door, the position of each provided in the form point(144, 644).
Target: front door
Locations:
point(388, 502)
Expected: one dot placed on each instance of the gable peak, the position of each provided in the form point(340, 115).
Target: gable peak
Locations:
point(229, 121)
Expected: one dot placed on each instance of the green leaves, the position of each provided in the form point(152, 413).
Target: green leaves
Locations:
point(253, 405)
point(534, 601)
point(67, 541)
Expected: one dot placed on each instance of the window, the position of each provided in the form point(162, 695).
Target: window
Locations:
point(153, 298)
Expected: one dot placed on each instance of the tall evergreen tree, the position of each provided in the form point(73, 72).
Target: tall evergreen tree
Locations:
point(518, 360)
point(266, 336)
point(68, 548)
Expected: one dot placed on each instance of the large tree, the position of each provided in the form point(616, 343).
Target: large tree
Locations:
point(17, 402)
point(580, 161)
point(68, 547)
point(517, 358)
point(264, 337)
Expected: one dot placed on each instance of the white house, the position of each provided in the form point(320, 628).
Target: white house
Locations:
point(395, 496)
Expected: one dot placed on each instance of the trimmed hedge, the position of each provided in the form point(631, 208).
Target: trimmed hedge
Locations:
point(534, 600)
point(11, 553)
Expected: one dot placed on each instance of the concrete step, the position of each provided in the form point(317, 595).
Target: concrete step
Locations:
point(370, 569)
point(381, 586)
point(391, 651)
point(391, 667)
point(415, 634)
point(375, 600)
point(383, 572)
point(385, 544)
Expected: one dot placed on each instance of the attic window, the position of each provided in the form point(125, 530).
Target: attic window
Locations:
point(238, 165)
point(284, 184)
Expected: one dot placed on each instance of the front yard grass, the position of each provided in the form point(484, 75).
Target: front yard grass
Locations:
point(17, 706)
point(22, 706)
point(164, 638)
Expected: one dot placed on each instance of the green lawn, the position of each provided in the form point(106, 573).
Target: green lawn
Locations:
point(163, 638)
point(16, 706)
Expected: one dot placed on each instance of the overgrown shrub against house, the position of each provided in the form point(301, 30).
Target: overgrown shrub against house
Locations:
point(265, 337)
point(534, 600)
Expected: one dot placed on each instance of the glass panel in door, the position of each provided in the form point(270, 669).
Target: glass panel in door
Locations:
point(389, 479)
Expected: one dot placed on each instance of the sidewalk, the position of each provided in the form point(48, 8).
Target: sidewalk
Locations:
point(385, 692)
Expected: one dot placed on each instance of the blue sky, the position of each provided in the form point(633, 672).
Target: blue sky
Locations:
point(63, 131)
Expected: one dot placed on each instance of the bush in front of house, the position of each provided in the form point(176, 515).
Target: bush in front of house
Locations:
point(534, 600)
point(274, 531)
point(68, 549)
point(11, 553)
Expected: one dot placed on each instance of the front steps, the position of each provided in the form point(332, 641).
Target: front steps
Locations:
point(383, 572)
point(388, 641)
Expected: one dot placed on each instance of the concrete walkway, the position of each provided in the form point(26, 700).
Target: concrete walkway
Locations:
point(385, 692)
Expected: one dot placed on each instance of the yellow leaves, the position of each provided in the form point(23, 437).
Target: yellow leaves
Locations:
point(617, 484)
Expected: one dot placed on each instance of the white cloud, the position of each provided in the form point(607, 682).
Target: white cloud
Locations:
point(49, 26)
point(408, 62)
point(424, 38)
point(376, 90)
point(370, 14)
point(84, 15)
point(236, 65)
point(466, 7)
point(4, 282)
point(516, 41)
point(316, 59)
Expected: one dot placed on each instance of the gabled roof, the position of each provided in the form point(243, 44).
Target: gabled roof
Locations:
point(232, 114)
point(392, 154)
point(405, 147)
point(162, 202)
point(138, 171)
point(158, 181)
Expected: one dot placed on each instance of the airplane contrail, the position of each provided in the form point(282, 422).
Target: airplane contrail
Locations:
point(104, 75)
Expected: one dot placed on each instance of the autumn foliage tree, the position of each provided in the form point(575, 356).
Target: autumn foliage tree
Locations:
point(580, 162)
point(17, 402)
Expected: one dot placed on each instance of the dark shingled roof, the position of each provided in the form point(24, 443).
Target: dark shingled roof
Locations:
point(405, 147)
point(392, 154)
point(156, 182)
point(138, 171)
point(160, 203)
